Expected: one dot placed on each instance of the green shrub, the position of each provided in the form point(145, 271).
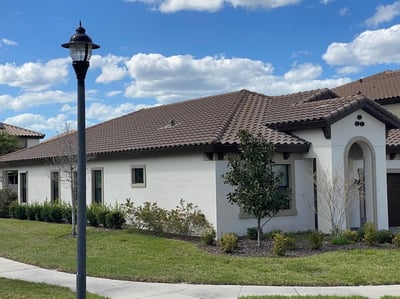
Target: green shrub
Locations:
point(91, 215)
point(341, 240)
point(252, 233)
point(361, 233)
point(18, 211)
point(271, 234)
point(96, 214)
point(67, 213)
point(30, 212)
point(290, 241)
point(37, 211)
point(279, 246)
point(229, 242)
point(350, 235)
point(371, 235)
point(151, 217)
point(6, 198)
point(384, 236)
point(115, 219)
point(208, 236)
point(316, 239)
point(396, 240)
point(45, 212)
point(56, 213)
point(185, 220)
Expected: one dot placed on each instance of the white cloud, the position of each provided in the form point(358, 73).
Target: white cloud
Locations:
point(112, 68)
point(303, 72)
point(34, 99)
point(34, 76)
point(104, 112)
point(171, 6)
point(176, 77)
point(182, 77)
point(368, 48)
point(344, 11)
point(8, 42)
point(114, 93)
point(68, 108)
point(37, 122)
point(326, 2)
point(348, 70)
point(384, 13)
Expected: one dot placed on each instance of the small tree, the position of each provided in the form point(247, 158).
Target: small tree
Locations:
point(67, 162)
point(256, 186)
point(336, 196)
point(8, 143)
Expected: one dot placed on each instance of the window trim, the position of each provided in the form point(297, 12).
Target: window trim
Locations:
point(138, 185)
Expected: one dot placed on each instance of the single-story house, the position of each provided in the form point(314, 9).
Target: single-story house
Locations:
point(25, 138)
point(177, 151)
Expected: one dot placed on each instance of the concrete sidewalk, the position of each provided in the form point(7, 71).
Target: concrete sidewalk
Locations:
point(118, 289)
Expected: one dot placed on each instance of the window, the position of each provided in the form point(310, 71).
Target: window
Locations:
point(55, 186)
point(281, 171)
point(23, 188)
point(12, 177)
point(97, 186)
point(138, 176)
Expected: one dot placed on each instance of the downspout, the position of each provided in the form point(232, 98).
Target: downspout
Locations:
point(315, 194)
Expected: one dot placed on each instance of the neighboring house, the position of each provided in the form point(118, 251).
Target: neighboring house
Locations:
point(26, 138)
point(172, 152)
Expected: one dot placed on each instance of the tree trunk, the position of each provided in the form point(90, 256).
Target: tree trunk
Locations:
point(259, 231)
point(73, 212)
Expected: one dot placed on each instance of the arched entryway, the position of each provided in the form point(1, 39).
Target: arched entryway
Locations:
point(360, 174)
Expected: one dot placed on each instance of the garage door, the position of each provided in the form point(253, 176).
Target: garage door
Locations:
point(393, 188)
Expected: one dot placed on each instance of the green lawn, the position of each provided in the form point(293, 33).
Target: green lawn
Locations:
point(16, 289)
point(140, 257)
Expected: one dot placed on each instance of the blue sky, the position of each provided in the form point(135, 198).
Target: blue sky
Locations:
point(155, 52)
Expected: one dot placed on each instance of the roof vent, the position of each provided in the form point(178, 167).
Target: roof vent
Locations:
point(171, 124)
point(361, 80)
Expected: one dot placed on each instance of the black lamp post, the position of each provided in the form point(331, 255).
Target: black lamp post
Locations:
point(80, 46)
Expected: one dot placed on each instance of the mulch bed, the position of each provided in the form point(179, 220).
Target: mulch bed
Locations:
point(249, 248)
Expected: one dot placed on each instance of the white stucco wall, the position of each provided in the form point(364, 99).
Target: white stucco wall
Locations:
point(330, 156)
point(169, 178)
point(187, 176)
point(372, 136)
point(302, 217)
point(320, 150)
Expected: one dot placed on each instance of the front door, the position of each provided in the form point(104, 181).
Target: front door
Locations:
point(393, 190)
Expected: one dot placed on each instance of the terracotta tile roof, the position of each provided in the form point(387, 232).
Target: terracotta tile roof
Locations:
point(20, 132)
point(213, 120)
point(384, 88)
point(384, 85)
point(393, 141)
point(321, 113)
